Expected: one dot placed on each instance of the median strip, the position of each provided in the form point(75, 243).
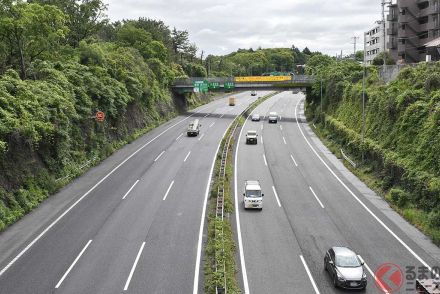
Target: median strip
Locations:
point(220, 264)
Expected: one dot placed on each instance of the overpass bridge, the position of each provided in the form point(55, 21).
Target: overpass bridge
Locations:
point(294, 82)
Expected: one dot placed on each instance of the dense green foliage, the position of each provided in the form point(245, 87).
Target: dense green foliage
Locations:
point(402, 133)
point(61, 62)
point(257, 62)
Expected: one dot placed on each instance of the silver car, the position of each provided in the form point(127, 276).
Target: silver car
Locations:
point(345, 268)
point(255, 117)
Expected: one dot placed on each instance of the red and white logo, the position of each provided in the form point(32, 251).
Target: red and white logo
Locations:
point(389, 278)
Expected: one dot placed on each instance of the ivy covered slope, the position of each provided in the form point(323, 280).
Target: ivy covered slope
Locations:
point(60, 62)
point(402, 145)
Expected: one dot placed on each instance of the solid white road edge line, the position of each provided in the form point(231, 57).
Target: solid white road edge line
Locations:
point(159, 156)
point(276, 196)
point(265, 161)
point(374, 276)
point(129, 190)
point(73, 264)
point(237, 214)
point(359, 200)
point(310, 275)
point(189, 153)
point(202, 220)
point(293, 159)
point(89, 191)
point(317, 199)
point(201, 137)
point(134, 266)
point(168, 191)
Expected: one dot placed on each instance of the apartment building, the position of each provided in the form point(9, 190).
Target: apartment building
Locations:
point(373, 43)
point(412, 25)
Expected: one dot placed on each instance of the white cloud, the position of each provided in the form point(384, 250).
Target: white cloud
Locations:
point(223, 26)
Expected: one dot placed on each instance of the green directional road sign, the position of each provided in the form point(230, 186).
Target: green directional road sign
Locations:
point(229, 85)
point(214, 85)
point(200, 86)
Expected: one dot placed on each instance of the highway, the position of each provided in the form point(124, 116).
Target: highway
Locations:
point(310, 205)
point(133, 224)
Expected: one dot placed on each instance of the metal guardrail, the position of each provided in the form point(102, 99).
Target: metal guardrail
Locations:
point(353, 164)
point(220, 205)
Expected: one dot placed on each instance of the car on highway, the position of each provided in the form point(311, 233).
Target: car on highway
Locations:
point(231, 101)
point(253, 93)
point(193, 128)
point(252, 196)
point(255, 117)
point(251, 137)
point(273, 117)
point(345, 268)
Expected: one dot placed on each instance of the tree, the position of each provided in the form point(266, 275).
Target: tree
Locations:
point(307, 51)
point(157, 28)
point(379, 59)
point(84, 17)
point(191, 50)
point(359, 56)
point(29, 31)
point(180, 41)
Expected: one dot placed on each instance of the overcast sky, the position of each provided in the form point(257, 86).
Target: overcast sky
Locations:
point(222, 26)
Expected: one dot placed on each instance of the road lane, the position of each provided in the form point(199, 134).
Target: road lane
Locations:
point(298, 176)
point(117, 226)
point(267, 270)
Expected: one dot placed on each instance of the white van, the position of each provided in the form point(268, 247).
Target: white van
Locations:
point(252, 196)
point(273, 117)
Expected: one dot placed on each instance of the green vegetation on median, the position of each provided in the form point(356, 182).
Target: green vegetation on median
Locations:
point(213, 278)
point(402, 132)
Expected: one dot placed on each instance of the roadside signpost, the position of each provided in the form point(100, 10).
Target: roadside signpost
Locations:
point(100, 116)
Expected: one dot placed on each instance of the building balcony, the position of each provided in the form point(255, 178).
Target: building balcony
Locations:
point(392, 31)
point(433, 10)
point(406, 3)
point(392, 44)
point(392, 17)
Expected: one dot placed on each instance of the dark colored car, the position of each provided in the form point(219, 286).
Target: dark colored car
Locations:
point(345, 268)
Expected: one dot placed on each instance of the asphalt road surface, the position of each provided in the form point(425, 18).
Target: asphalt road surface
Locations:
point(133, 224)
point(310, 206)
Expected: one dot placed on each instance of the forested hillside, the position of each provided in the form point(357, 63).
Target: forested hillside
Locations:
point(402, 145)
point(60, 62)
point(250, 62)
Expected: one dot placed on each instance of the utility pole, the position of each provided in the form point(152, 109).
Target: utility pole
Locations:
point(363, 100)
point(384, 33)
point(354, 38)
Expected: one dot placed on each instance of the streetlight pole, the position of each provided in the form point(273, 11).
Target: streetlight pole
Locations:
point(363, 101)
point(321, 94)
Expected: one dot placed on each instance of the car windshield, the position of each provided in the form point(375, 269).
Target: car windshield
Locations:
point(347, 261)
point(253, 193)
point(252, 133)
point(256, 115)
